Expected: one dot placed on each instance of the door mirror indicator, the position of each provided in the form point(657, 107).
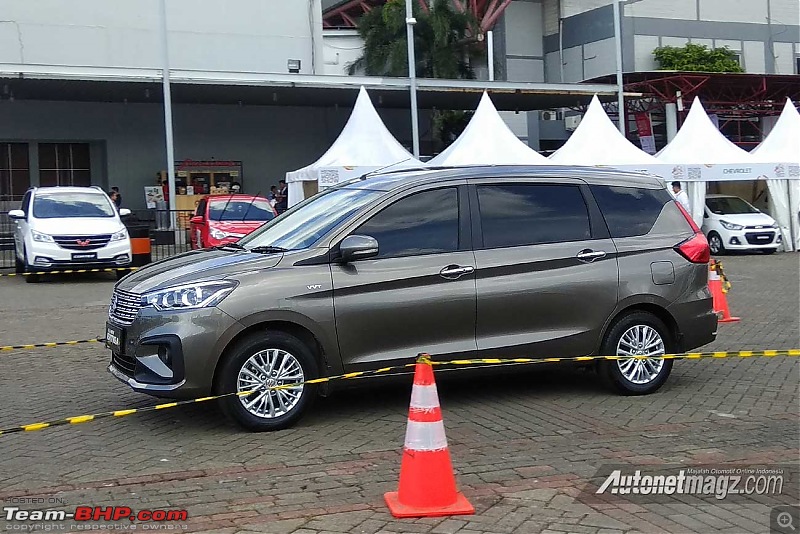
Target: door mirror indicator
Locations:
point(358, 247)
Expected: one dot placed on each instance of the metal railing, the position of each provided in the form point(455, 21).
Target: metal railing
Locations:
point(168, 231)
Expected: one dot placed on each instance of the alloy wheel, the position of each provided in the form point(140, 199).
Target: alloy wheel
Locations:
point(268, 369)
point(640, 340)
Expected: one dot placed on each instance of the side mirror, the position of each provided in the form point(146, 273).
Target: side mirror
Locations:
point(197, 219)
point(16, 214)
point(358, 247)
point(124, 212)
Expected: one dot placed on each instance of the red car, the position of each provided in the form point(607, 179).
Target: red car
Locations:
point(222, 219)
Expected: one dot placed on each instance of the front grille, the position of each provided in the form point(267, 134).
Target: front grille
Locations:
point(126, 364)
point(759, 238)
point(758, 227)
point(124, 307)
point(82, 242)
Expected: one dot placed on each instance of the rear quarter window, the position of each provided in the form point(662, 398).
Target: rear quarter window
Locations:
point(630, 211)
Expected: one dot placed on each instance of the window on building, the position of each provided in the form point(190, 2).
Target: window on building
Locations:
point(64, 164)
point(515, 215)
point(15, 176)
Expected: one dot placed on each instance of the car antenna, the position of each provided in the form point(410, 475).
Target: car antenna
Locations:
point(250, 205)
point(222, 215)
point(364, 176)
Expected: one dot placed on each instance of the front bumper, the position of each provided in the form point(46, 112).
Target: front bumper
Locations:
point(172, 354)
point(50, 256)
point(750, 238)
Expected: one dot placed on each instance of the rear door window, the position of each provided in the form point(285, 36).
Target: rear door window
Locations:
point(531, 214)
point(422, 223)
point(630, 211)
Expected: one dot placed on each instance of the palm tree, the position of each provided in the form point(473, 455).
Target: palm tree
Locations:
point(444, 41)
point(445, 44)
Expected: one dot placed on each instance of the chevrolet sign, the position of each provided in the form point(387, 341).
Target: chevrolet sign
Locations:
point(746, 170)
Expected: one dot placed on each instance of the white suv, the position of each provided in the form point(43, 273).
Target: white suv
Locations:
point(69, 228)
point(731, 223)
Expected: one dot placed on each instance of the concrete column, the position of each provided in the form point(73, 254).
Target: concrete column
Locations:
point(671, 111)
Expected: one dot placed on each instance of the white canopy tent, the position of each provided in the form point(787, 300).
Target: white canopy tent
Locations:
point(700, 153)
point(364, 145)
point(597, 142)
point(783, 145)
point(488, 141)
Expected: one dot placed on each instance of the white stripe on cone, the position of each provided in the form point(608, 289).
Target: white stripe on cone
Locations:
point(713, 275)
point(424, 397)
point(425, 436)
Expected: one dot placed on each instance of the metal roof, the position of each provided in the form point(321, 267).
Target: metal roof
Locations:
point(101, 84)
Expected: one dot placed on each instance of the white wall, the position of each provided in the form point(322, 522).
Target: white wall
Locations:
point(670, 9)
point(753, 57)
point(340, 48)
point(784, 58)
point(643, 52)
point(245, 35)
point(575, 7)
point(753, 11)
point(524, 29)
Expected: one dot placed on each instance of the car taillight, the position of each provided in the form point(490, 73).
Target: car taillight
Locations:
point(695, 249)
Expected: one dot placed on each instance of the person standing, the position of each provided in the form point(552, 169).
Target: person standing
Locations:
point(681, 196)
point(118, 198)
point(282, 198)
point(273, 195)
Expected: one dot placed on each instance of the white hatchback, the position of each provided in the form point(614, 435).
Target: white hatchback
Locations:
point(69, 228)
point(731, 223)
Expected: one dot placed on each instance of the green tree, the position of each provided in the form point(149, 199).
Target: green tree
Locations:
point(445, 45)
point(697, 58)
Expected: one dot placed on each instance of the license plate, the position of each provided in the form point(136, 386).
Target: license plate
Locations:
point(114, 338)
point(81, 256)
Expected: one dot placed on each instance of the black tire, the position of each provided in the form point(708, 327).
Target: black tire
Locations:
point(718, 245)
point(769, 251)
point(30, 278)
point(19, 265)
point(239, 354)
point(610, 369)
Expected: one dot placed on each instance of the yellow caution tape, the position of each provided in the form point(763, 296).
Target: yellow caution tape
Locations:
point(422, 359)
point(51, 344)
point(73, 271)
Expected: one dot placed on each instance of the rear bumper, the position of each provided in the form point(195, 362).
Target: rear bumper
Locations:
point(697, 323)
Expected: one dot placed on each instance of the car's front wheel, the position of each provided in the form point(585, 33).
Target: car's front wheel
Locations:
point(715, 243)
point(637, 335)
point(258, 363)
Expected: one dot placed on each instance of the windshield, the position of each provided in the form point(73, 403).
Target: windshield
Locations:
point(306, 223)
point(240, 210)
point(729, 206)
point(64, 205)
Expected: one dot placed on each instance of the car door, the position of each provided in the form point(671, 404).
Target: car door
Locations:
point(418, 294)
point(547, 274)
point(21, 226)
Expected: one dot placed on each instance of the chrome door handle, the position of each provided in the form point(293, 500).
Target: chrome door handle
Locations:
point(589, 256)
point(455, 271)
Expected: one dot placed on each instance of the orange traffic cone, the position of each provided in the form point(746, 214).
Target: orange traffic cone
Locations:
point(427, 484)
point(719, 299)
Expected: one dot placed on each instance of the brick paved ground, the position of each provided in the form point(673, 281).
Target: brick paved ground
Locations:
point(523, 447)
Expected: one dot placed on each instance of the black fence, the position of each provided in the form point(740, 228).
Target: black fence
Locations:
point(168, 230)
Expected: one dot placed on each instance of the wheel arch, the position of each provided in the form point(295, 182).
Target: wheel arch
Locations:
point(654, 308)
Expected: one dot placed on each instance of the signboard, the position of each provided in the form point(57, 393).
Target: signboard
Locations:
point(644, 126)
point(153, 194)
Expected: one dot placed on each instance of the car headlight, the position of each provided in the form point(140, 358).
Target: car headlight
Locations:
point(218, 234)
point(731, 226)
point(119, 236)
point(40, 237)
point(189, 296)
point(776, 225)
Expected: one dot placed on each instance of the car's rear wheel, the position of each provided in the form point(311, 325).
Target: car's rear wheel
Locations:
point(639, 334)
point(715, 243)
point(257, 363)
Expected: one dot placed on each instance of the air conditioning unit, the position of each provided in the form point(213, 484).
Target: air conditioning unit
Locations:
point(571, 123)
point(549, 115)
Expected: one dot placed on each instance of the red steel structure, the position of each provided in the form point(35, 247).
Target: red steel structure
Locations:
point(346, 14)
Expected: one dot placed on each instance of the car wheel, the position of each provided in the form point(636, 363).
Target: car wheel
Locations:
point(637, 334)
point(30, 278)
point(769, 250)
point(715, 244)
point(257, 362)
